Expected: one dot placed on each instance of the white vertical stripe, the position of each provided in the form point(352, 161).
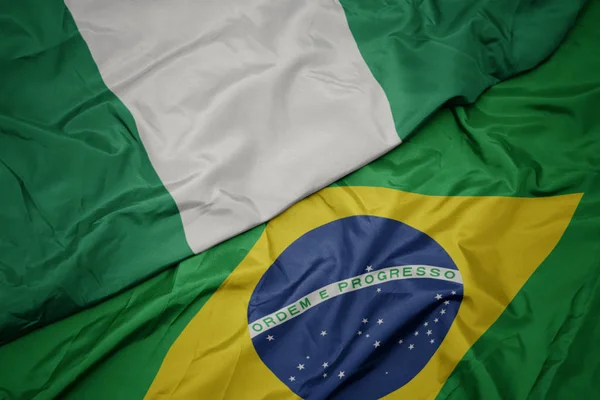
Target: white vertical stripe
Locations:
point(244, 106)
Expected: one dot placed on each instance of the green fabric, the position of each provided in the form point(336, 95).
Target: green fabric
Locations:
point(535, 135)
point(113, 350)
point(425, 53)
point(81, 207)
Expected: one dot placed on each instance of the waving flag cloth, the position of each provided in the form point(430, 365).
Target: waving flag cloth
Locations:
point(136, 134)
point(369, 290)
point(463, 255)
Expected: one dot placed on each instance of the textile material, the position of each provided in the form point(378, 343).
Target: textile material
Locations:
point(528, 147)
point(135, 135)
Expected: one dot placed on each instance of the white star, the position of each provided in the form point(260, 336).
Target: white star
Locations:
point(447, 302)
point(341, 374)
point(325, 365)
point(438, 296)
point(377, 343)
point(386, 372)
point(379, 321)
point(323, 333)
point(378, 290)
point(270, 338)
point(369, 268)
point(416, 333)
point(364, 321)
point(436, 320)
point(300, 366)
point(401, 341)
point(429, 332)
point(308, 357)
point(443, 311)
point(431, 341)
point(359, 333)
point(324, 375)
point(426, 323)
point(454, 292)
point(412, 346)
point(292, 378)
point(368, 335)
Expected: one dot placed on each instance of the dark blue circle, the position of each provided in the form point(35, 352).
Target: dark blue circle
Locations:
point(405, 321)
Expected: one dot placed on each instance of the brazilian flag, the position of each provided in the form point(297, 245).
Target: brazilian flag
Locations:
point(169, 228)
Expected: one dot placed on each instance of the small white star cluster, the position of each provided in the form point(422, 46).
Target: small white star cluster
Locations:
point(376, 344)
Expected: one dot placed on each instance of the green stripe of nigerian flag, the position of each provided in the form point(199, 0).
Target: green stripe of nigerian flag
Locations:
point(81, 209)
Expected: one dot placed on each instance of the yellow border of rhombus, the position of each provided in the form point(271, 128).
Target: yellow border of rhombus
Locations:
point(496, 242)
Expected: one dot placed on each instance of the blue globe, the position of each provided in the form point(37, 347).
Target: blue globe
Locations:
point(354, 309)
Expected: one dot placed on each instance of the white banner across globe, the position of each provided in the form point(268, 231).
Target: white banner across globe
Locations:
point(344, 286)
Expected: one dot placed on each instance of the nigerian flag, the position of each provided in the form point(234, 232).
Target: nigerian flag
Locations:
point(299, 199)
